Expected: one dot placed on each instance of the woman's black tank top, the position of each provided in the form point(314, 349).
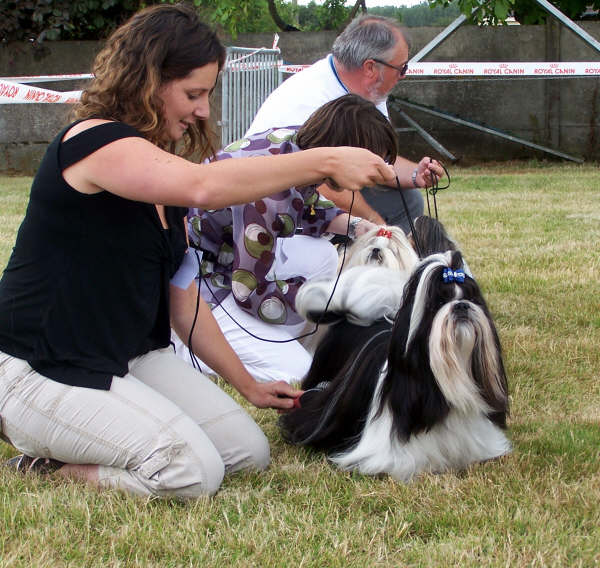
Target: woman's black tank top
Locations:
point(86, 288)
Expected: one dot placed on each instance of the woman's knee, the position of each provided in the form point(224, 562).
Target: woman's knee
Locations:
point(208, 481)
point(259, 452)
point(177, 469)
point(251, 451)
point(240, 442)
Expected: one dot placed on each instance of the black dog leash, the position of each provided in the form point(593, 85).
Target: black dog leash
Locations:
point(433, 191)
point(247, 331)
point(435, 187)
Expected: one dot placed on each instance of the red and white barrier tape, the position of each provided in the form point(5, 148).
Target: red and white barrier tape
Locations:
point(16, 93)
point(523, 69)
point(47, 78)
point(233, 62)
point(478, 69)
point(470, 69)
point(12, 91)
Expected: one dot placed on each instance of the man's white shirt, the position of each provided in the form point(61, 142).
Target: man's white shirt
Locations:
point(299, 96)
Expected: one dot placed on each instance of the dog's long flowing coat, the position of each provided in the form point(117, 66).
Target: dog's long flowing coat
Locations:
point(426, 394)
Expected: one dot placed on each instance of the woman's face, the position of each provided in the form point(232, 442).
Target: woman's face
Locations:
point(186, 100)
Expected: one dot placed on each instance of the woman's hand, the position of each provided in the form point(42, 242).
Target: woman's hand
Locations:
point(355, 168)
point(278, 395)
point(428, 171)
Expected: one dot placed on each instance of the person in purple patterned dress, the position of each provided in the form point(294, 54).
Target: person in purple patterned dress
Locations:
point(250, 265)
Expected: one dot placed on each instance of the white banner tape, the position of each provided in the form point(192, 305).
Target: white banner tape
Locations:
point(482, 69)
point(16, 93)
point(47, 78)
point(523, 69)
point(12, 91)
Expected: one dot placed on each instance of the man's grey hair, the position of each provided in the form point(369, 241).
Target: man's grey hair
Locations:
point(366, 37)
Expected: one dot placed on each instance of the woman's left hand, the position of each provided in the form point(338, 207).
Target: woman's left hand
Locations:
point(278, 395)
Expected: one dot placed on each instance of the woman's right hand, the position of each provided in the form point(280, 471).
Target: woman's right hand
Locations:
point(278, 394)
point(355, 168)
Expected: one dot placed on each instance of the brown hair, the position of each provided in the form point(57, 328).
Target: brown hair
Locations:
point(350, 121)
point(156, 45)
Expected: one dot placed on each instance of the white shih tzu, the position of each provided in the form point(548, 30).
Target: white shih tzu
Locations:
point(427, 393)
point(376, 267)
point(382, 246)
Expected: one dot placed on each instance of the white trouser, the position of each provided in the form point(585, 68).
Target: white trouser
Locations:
point(163, 429)
point(310, 257)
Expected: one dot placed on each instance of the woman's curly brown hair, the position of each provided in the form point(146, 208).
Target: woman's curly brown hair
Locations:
point(156, 45)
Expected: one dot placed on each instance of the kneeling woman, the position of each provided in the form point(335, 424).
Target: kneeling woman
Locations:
point(88, 382)
point(254, 257)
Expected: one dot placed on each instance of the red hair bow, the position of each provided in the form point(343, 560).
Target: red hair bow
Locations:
point(384, 233)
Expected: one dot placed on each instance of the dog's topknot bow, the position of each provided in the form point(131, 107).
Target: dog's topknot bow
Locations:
point(453, 275)
point(384, 233)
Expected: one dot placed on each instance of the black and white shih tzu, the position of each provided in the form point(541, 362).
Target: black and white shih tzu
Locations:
point(426, 393)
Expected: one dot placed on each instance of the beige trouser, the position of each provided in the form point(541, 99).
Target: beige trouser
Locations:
point(163, 429)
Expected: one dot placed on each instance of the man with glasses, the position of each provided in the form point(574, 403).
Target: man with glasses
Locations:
point(368, 58)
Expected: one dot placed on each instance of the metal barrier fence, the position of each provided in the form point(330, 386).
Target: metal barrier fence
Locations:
point(248, 78)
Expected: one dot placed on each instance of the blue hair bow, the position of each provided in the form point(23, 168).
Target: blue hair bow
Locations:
point(453, 275)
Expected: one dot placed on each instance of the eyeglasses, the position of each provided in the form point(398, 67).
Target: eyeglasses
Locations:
point(402, 70)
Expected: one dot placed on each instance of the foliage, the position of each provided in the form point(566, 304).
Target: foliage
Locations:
point(493, 12)
point(328, 16)
point(489, 12)
point(38, 20)
point(422, 14)
point(237, 16)
point(530, 12)
point(332, 14)
point(427, 15)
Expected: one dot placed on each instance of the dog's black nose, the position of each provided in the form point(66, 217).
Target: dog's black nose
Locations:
point(461, 308)
point(376, 254)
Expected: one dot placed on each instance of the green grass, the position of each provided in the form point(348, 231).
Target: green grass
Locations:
point(531, 235)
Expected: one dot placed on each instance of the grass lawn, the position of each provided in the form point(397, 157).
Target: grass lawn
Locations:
point(531, 235)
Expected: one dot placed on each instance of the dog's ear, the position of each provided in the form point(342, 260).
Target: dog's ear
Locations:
point(488, 372)
point(410, 391)
point(487, 367)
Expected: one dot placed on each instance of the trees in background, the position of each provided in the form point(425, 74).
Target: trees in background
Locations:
point(420, 15)
point(38, 20)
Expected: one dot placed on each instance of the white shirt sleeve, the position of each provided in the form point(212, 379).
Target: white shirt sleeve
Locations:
point(298, 97)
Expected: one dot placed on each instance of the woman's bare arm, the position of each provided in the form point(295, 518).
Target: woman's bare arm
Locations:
point(210, 345)
point(137, 169)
